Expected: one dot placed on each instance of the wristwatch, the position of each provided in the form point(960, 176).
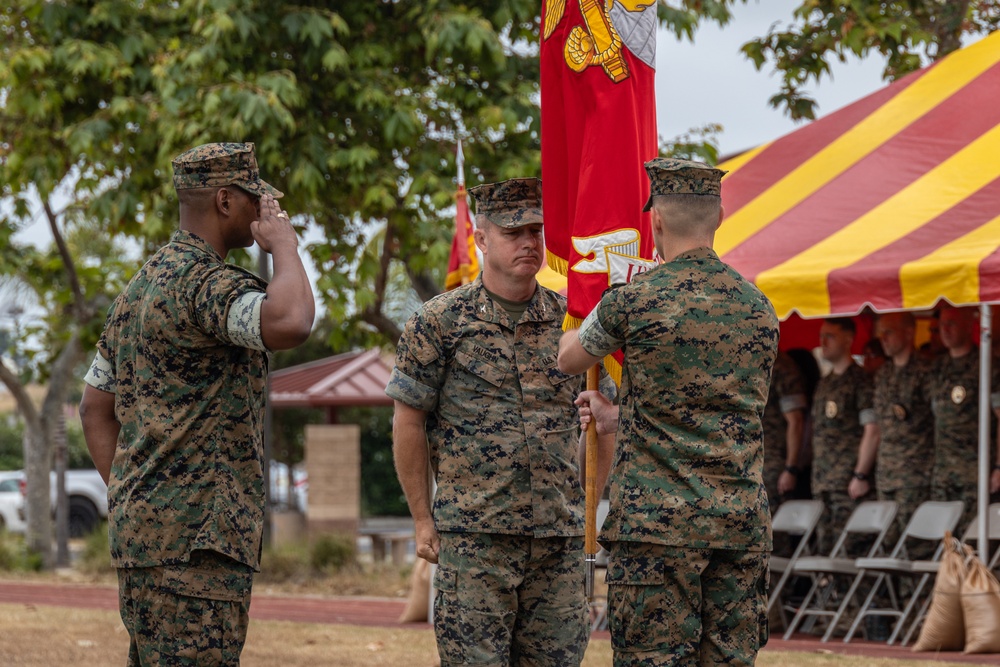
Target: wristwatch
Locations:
point(860, 476)
point(793, 469)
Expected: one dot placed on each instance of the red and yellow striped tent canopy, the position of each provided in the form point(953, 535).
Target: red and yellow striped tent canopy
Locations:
point(892, 202)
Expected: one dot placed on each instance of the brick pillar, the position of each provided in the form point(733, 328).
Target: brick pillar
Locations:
point(333, 462)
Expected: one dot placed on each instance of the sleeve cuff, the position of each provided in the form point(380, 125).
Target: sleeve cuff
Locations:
point(406, 390)
point(595, 340)
point(243, 323)
point(101, 375)
point(867, 417)
point(793, 402)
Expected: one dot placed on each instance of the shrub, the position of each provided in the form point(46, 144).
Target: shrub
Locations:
point(284, 563)
point(96, 555)
point(332, 552)
point(15, 556)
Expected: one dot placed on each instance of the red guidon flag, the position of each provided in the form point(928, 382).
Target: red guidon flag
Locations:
point(463, 265)
point(598, 128)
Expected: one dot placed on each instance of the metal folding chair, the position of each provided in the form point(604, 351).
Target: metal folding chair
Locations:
point(872, 519)
point(931, 520)
point(795, 518)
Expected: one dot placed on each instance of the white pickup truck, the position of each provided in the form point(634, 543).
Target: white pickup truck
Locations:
point(88, 499)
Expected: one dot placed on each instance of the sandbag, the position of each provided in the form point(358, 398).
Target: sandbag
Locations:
point(420, 591)
point(944, 626)
point(981, 606)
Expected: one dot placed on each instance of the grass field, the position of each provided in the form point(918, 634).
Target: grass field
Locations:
point(34, 636)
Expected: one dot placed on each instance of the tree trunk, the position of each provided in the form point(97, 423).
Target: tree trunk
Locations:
point(58, 434)
point(38, 504)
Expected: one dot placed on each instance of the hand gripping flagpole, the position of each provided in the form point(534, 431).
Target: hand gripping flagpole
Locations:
point(591, 490)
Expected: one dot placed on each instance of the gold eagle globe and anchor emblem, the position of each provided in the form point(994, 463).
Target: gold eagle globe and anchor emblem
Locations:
point(957, 394)
point(598, 41)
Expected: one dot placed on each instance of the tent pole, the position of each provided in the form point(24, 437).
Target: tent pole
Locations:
point(985, 412)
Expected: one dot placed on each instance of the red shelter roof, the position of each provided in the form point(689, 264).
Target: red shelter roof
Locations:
point(349, 379)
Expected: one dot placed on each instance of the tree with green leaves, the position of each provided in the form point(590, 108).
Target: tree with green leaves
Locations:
point(356, 109)
point(906, 34)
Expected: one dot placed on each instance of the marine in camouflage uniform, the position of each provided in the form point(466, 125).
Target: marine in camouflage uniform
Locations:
point(955, 403)
point(783, 423)
point(906, 424)
point(688, 531)
point(842, 412)
point(477, 373)
point(173, 412)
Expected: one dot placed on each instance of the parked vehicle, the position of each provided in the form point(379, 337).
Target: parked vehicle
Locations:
point(279, 487)
point(88, 499)
point(11, 502)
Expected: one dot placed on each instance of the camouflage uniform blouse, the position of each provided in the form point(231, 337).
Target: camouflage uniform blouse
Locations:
point(699, 343)
point(787, 393)
point(906, 425)
point(187, 472)
point(955, 402)
point(841, 408)
point(501, 425)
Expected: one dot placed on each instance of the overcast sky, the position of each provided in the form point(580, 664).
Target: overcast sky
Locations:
point(710, 81)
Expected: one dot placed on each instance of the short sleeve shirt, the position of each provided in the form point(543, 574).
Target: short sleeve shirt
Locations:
point(501, 426)
point(787, 393)
point(955, 403)
point(187, 473)
point(842, 407)
point(699, 342)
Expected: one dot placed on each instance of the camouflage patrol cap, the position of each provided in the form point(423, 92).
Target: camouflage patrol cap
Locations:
point(215, 165)
point(671, 176)
point(513, 203)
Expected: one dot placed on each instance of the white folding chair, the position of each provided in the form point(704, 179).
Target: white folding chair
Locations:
point(871, 519)
point(931, 520)
point(795, 518)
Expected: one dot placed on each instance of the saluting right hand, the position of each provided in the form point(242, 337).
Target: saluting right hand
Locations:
point(274, 228)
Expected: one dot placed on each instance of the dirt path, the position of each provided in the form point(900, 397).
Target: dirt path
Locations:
point(307, 609)
point(385, 612)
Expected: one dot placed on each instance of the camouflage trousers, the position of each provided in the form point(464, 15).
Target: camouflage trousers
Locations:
point(838, 506)
point(967, 492)
point(676, 606)
point(194, 613)
point(908, 499)
point(510, 600)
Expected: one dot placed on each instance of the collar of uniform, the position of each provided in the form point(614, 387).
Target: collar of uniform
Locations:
point(189, 238)
point(540, 308)
point(695, 254)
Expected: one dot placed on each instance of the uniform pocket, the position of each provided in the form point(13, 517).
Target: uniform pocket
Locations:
point(639, 604)
point(466, 633)
point(487, 378)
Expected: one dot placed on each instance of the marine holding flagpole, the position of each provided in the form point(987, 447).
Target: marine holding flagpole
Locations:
point(688, 531)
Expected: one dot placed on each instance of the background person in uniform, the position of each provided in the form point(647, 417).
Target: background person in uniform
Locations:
point(906, 424)
point(955, 402)
point(688, 532)
point(808, 367)
point(476, 386)
point(784, 417)
point(845, 431)
point(933, 348)
point(873, 356)
point(173, 411)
